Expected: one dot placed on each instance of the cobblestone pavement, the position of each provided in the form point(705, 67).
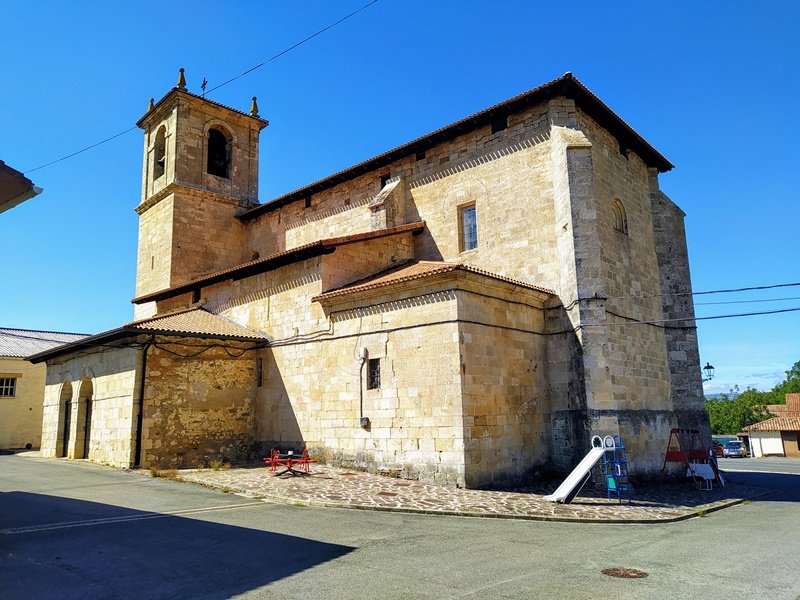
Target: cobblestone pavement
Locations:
point(343, 488)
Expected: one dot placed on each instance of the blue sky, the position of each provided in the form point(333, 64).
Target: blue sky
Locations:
point(713, 86)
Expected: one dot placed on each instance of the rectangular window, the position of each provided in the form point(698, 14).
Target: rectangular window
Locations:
point(468, 227)
point(8, 387)
point(384, 180)
point(374, 374)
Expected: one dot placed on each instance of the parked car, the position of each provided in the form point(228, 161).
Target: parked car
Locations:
point(734, 449)
point(718, 448)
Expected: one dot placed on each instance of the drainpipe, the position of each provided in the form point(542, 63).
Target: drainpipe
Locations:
point(363, 421)
point(137, 453)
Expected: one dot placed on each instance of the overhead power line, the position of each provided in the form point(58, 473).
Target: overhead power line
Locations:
point(82, 150)
point(240, 75)
point(290, 48)
point(708, 292)
point(748, 301)
point(728, 316)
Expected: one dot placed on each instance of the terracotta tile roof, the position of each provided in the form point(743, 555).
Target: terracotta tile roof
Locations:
point(776, 424)
point(413, 270)
point(195, 321)
point(567, 86)
point(187, 322)
point(18, 343)
point(279, 259)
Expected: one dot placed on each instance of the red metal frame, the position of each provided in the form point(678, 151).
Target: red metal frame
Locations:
point(695, 454)
point(289, 461)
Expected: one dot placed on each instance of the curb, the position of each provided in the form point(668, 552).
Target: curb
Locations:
point(290, 501)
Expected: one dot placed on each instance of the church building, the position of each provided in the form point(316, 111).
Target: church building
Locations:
point(468, 308)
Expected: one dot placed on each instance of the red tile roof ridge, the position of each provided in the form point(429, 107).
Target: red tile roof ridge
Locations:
point(169, 313)
point(776, 424)
point(417, 269)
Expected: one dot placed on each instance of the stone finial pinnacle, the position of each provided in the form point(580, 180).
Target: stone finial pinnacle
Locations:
point(181, 80)
point(254, 107)
point(150, 105)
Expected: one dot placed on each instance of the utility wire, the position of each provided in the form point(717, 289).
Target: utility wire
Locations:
point(250, 70)
point(748, 301)
point(290, 48)
point(82, 150)
point(726, 291)
point(728, 316)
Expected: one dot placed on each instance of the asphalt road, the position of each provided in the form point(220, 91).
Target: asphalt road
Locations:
point(788, 466)
point(69, 529)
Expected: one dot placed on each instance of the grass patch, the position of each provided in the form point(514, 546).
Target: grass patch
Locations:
point(164, 473)
point(218, 464)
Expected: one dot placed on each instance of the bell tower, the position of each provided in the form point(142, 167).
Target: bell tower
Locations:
point(199, 170)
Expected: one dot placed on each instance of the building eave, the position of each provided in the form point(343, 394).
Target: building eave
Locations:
point(142, 328)
point(567, 86)
point(275, 261)
point(15, 188)
point(369, 285)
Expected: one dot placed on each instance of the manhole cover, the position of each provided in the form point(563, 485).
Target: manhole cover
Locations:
point(624, 573)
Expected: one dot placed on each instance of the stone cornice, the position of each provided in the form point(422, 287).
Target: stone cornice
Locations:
point(193, 191)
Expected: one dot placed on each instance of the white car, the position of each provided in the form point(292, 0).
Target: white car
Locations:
point(734, 449)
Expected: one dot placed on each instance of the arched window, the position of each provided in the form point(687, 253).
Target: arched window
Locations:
point(219, 153)
point(620, 219)
point(159, 153)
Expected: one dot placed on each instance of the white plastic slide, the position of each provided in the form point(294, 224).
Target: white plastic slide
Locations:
point(580, 474)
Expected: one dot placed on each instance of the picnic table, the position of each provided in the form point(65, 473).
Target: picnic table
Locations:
point(294, 464)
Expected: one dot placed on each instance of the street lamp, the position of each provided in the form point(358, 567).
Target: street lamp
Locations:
point(709, 371)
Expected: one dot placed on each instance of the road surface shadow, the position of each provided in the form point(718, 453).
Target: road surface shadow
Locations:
point(786, 486)
point(52, 547)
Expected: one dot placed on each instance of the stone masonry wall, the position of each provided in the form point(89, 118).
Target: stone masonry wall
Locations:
point(154, 256)
point(316, 389)
point(503, 173)
point(198, 408)
point(636, 356)
point(507, 432)
point(686, 389)
point(311, 391)
point(111, 375)
point(355, 261)
point(206, 237)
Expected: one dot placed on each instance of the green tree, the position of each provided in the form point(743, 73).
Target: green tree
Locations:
point(730, 412)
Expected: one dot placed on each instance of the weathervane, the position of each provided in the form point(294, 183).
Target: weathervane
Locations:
point(203, 86)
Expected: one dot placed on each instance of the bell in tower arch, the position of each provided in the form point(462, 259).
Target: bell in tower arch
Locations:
point(219, 153)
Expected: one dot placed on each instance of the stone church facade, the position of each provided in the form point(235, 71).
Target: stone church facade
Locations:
point(468, 308)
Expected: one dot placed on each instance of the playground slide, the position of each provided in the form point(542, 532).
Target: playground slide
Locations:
point(578, 478)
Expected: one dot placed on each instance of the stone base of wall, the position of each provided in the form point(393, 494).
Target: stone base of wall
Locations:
point(429, 472)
